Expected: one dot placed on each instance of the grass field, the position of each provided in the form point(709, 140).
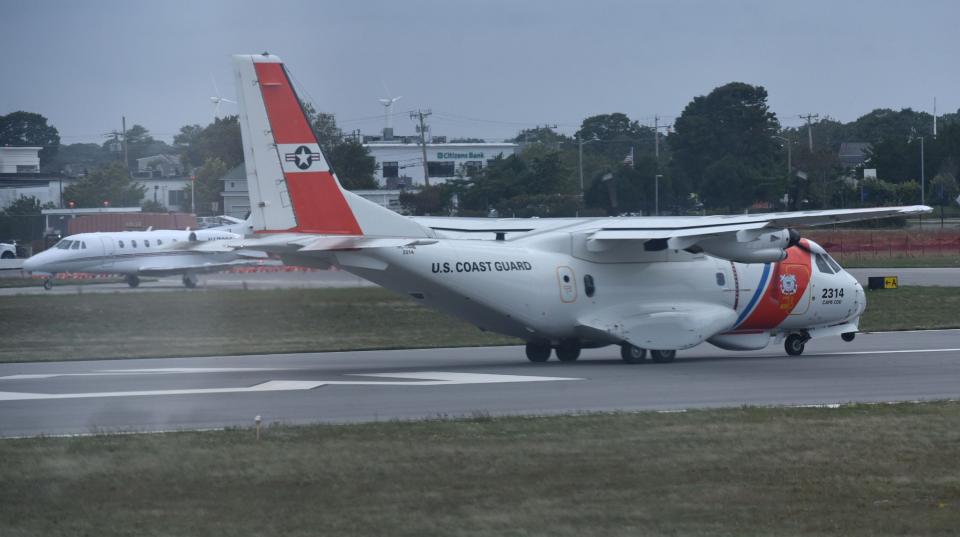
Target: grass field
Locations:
point(860, 470)
point(122, 325)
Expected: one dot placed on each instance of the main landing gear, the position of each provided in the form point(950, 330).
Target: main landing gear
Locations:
point(133, 280)
point(794, 344)
point(48, 283)
point(567, 351)
point(632, 354)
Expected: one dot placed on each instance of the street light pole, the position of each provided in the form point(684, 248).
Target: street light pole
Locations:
point(656, 194)
point(923, 180)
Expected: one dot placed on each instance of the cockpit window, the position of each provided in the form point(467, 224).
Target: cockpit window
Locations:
point(64, 244)
point(120, 243)
point(823, 265)
point(75, 245)
point(159, 242)
point(833, 264)
point(83, 245)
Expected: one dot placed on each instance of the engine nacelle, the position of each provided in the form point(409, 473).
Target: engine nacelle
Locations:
point(741, 247)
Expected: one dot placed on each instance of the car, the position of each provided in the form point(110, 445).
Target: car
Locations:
point(8, 250)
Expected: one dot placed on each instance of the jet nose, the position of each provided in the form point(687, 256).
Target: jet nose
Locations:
point(30, 264)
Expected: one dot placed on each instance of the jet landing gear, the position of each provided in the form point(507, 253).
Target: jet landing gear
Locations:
point(663, 357)
point(848, 336)
point(632, 354)
point(133, 280)
point(538, 352)
point(794, 344)
point(48, 283)
point(568, 351)
point(190, 280)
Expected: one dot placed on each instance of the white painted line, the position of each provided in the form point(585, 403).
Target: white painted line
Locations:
point(158, 371)
point(429, 378)
point(902, 351)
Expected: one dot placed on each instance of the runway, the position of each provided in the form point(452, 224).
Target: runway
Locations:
point(213, 392)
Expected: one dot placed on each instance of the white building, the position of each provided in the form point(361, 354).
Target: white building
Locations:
point(20, 159)
point(401, 164)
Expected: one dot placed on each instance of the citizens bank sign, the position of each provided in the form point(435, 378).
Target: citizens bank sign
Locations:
point(470, 155)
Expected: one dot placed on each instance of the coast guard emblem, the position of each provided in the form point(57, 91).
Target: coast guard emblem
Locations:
point(788, 284)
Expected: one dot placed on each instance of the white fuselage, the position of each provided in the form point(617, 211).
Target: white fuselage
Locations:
point(544, 289)
point(129, 253)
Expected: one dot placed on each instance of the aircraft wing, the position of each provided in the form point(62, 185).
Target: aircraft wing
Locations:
point(288, 243)
point(202, 268)
point(661, 326)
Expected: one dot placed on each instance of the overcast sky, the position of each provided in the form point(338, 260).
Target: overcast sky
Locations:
point(485, 68)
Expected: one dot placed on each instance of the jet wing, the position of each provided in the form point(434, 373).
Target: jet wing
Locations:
point(661, 326)
point(202, 268)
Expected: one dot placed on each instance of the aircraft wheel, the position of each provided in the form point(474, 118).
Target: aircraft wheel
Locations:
point(538, 352)
point(632, 354)
point(568, 351)
point(48, 283)
point(663, 357)
point(190, 280)
point(848, 337)
point(133, 280)
point(794, 344)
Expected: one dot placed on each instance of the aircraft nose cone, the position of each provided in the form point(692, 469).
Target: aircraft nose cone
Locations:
point(29, 264)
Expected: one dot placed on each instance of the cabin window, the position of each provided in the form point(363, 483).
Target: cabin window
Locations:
point(120, 243)
point(588, 286)
point(159, 242)
point(822, 264)
point(133, 243)
point(75, 245)
point(146, 243)
point(83, 245)
point(721, 279)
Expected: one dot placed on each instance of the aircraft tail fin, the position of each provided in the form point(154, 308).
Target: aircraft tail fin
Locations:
point(291, 183)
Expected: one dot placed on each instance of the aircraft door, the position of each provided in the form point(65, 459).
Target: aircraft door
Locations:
point(791, 277)
point(567, 281)
point(109, 250)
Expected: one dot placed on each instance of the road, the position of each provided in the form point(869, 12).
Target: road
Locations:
point(213, 392)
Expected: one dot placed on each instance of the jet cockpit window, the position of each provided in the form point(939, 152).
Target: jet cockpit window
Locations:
point(64, 244)
point(833, 264)
point(823, 265)
point(75, 245)
point(159, 242)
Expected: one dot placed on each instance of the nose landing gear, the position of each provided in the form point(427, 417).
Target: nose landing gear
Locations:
point(133, 280)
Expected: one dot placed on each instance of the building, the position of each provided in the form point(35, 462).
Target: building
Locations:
point(400, 164)
point(236, 197)
point(20, 176)
point(20, 159)
point(853, 154)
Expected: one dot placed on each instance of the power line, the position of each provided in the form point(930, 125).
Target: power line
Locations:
point(810, 118)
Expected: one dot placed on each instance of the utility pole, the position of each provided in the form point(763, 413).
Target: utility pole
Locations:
point(126, 157)
point(421, 114)
point(656, 137)
point(809, 118)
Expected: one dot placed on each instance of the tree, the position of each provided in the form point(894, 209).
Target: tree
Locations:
point(151, 206)
point(22, 220)
point(325, 128)
point(220, 139)
point(353, 165)
point(723, 146)
point(207, 187)
point(430, 200)
point(30, 129)
point(109, 184)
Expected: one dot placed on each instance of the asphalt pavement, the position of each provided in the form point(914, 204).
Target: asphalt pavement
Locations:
point(213, 392)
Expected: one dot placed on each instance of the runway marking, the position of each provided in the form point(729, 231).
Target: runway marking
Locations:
point(156, 371)
point(901, 351)
point(426, 378)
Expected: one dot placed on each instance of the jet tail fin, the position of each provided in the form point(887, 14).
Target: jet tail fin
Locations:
point(292, 186)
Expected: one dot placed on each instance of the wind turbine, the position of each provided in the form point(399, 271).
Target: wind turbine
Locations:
point(217, 99)
point(388, 111)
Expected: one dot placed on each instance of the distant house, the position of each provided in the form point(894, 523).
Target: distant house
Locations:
point(236, 198)
point(853, 154)
point(157, 166)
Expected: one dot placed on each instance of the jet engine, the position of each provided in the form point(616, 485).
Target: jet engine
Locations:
point(749, 246)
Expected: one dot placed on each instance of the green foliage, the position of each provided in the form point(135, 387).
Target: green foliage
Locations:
point(21, 220)
point(353, 165)
point(30, 129)
point(151, 206)
point(943, 190)
point(505, 183)
point(431, 200)
point(723, 145)
point(218, 140)
point(207, 187)
point(110, 183)
point(24, 206)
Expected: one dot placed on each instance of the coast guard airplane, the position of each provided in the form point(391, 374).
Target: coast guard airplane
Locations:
point(661, 284)
point(141, 253)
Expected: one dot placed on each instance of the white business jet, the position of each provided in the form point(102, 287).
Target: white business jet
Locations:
point(661, 284)
point(133, 254)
